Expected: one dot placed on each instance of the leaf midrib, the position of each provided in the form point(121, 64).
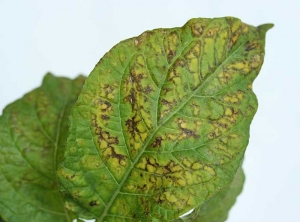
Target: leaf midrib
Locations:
point(116, 193)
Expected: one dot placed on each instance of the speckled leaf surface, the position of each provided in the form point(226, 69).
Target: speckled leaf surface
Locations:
point(33, 131)
point(163, 121)
point(217, 207)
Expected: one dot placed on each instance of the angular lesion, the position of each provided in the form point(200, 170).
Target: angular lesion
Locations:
point(171, 44)
point(107, 146)
point(137, 134)
point(157, 142)
point(138, 92)
point(198, 26)
point(108, 91)
point(186, 131)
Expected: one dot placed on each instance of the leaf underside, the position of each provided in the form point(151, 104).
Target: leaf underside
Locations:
point(33, 131)
point(163, 121)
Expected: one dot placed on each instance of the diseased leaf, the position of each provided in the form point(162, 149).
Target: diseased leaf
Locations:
point(217, 207)
point(163, 121)
point(33, 131)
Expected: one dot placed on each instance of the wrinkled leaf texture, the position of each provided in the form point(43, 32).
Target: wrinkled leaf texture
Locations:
point(162, 122)
point(217, 207)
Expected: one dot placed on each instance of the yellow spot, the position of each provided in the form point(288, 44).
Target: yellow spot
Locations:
point(152, 179)
point(123, 163)
point(186, 163)
point(222, 147)
point(171, 136)
point(103, 144)
point(176, 168)
point(228, 112)
point(191, 191)
point(198, 123)
point(152, 160)
point(210, 170)
point(256, 61)
point(245, 28)
point(131, 187)
point(158, 182)
point(188, 177)
point(104, 106)
point(159, 170)
point(177, 80)
point(234, 100)
point(181, 182)
point(142, 165)
point(196, 166)
point(235, 26)
point(150, 168)
point(240, 95)
point(233, 135)
point(183, 125)
point(175, 39)
point(191, 201)
point(227, 98)
point(196, 110)
point(144, 136)
point(170, 197)
point(167, 182)
point(140, 60)
point(137, 146)
point(193, 65)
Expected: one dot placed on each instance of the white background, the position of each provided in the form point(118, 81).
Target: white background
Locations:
point(69, 37)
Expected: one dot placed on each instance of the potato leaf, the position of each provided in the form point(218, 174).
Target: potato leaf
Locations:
point(33, 131)
point(163, 121)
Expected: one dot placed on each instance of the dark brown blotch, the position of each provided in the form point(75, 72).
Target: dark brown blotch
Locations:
point(157, 142)
point(118, 156)
point(93, 203)
point(251, 45)
point(105, 117)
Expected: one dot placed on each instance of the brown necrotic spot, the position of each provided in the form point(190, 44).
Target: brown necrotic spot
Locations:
point(107, 143)
point(211, 135)
point(148, 89)
point(121, 158)
point(108, 91)
point(131, 125)
point(93, 203)
point(171, 43)
point(157, 142)
point(105, 117)
point(198, 29)
point(131, 98)
point(251, 45)
point(105, 106)
point(187, 132)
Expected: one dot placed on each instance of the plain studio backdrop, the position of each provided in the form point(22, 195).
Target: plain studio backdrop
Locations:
point(69, 37)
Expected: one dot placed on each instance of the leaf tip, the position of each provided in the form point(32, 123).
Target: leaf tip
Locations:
point(264, 28)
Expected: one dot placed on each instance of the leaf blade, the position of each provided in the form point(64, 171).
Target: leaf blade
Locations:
point(32, 134)
point(166, 117)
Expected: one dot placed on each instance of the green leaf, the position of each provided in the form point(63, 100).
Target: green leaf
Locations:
point(217, 207)
point(163, 121)
point(33, 131)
